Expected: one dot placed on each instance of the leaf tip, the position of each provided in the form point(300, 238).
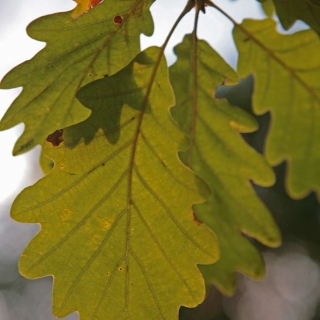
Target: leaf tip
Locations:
point(83, 6)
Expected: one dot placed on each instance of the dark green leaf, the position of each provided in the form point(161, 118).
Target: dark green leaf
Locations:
point(306, 10)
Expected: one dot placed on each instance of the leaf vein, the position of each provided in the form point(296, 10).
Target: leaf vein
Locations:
point(149, 229)
point(170, 214)
point(152, 149)
point(149, 283)
point(96, 253)
point(85, 175)
point(82, 222)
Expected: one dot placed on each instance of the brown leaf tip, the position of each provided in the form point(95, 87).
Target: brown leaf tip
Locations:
point(55, 138)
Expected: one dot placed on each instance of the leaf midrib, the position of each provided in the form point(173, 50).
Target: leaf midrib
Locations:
point(131, 169)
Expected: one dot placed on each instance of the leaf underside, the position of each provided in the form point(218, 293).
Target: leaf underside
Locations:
point(96, 45)
point(305, 10)
point(286, 69)
point(117, 231)
point(220, 156)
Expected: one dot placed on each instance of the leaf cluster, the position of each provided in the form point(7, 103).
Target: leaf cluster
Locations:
point(149, 188)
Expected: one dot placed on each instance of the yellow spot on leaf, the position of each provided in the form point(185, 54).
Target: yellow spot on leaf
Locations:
point(107, 225)
point(66, 214)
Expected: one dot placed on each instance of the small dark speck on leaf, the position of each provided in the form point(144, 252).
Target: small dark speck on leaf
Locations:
point(105, 75)
point(120, 269)
point(117, 19)
point(55, 138)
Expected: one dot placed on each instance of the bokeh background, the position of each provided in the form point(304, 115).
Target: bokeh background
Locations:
point(291, 289)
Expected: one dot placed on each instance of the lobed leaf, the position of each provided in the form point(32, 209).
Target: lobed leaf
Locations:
point(287, 72)
point(305, 10)
point(220, 156)
point(96, 45)
point(117, 232)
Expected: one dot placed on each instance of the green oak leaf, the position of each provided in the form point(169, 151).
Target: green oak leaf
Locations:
point(286, 69)
point(220, 156)
point(305, 10)
point(97, 44)
point(117, 230)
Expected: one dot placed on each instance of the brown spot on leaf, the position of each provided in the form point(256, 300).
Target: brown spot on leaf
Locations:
point(117, 19)
point(55, 138)
point(195, 219)
point(120, 269)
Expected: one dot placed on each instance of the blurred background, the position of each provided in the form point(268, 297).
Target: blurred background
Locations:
point(291, 289)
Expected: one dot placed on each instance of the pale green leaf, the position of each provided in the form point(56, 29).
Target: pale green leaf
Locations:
point(117, 228)
point(97, 44)
point(306, 10)
point(220, 156)
point(286, 69)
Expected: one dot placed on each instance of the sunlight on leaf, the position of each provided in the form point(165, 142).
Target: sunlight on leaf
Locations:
point(96, 45)
point(286, 69)
point(305, 10)
point(220, 156)
point(117, 231)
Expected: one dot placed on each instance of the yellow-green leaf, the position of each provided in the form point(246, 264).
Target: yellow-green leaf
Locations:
point(268, 8)
point(117, 228)
point(94, 46)
point(305, 10)
point(286, 69)
point(220, 156)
